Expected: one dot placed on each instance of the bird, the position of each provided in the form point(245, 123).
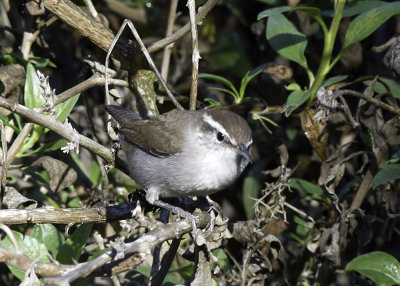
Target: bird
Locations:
point(182, 152)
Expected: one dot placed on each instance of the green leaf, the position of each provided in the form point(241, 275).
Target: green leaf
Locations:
point(29, 246)
point(216, 87)
point(291, 133)
point(256, 116)
point(42, 62)
point(286, 40)
point(35, 135)
point(248, 77)
point(32, 89)
point(278, 10)
point(223, 260)
point(394, 86)
point(169, 279)
point(366, 23)
point(72, 247)
point(95, 173)
point(212, 103)
point(271, 2)
point(64, 109)
point(302, 228)
point(185, 271)
point(315, 191)
point(97, 252)
point(6, 122)
point(48, 147)
point(293, 86)
point(388, 173)
point(10, 59)
point(49, 235)
point(384, 85)
point(250, 194)
point(359, 7)
point(333, 80)
point(75, 203)
point(295, 99)
point(32, 99)
point(78, 162)
point(355, 8)
point(230, 53)
point(220, 79)
point(380, 267)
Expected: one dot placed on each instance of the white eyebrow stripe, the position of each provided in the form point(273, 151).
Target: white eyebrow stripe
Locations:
point(216, 125)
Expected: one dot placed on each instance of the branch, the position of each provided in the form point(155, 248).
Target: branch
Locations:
point(147, 56)
point(203, 11)
point(195, 54)
point(94, 80)
point(371, 99)
point(23, 262)
point(67, 216)
point(168, 49)
point(75, 17)
point(102, 36)
point(143, 245)
point(53, 124)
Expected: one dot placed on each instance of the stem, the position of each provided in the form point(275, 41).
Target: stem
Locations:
point(310, 75)
point(330, 37)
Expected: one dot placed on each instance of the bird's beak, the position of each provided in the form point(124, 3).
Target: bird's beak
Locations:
point(243, 151)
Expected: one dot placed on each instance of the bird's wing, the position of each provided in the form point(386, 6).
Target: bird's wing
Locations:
point(164, 141)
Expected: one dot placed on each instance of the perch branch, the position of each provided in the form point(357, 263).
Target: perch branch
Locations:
point(142, 245)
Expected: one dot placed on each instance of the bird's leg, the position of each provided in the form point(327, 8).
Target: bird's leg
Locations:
point(178, 211)
point(152, 196)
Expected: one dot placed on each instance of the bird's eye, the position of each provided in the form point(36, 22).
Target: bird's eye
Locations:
point(220, 137)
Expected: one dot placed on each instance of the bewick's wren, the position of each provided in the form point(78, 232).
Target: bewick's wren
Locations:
point(183, 153)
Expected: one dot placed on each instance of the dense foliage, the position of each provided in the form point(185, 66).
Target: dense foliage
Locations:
point(316, 80)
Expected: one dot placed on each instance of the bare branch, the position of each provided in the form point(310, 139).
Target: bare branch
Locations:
point(147, 56)
point(168, 49)
point(143, 246)
point(369, 99)
point(53, 124)
point(203, 11)
point(195, 54)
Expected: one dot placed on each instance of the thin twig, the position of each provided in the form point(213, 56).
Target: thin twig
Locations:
point(3, 169)
point(347, 111)
point(30, 38)
point(195, 54)
point(10, 234)
point(369, 99)
point(168, 49)
point(203, 11)
point(92, 9)
point(147, 56)
point(384, 46)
